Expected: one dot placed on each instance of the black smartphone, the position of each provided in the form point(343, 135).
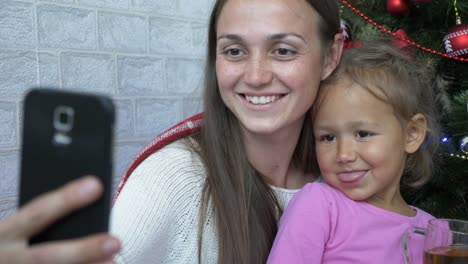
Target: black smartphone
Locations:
point(67, 135)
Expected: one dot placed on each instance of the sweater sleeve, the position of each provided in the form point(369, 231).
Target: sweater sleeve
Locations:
point(158, 209)
point(304, 228)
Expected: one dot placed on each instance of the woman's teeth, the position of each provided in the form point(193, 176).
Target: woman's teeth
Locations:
point(262, 99)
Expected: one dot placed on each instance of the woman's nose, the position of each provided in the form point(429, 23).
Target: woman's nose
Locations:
point(258, 72)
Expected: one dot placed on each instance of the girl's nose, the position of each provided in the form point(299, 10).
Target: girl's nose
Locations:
point(346, 152)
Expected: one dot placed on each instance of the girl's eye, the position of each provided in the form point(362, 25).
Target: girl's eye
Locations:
point(327, 138)
point(363, 134)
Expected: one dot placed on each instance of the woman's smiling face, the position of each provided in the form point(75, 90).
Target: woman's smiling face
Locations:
point(269, 62)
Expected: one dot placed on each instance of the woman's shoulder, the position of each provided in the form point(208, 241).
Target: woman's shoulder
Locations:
point(176, 159)
point(182, 148)
point(171, 173)
point(158, 208)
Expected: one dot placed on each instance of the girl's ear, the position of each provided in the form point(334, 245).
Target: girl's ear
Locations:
point(415, 133)
point(333, 57)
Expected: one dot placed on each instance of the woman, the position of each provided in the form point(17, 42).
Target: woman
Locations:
point(210, 198)
point(216, 197)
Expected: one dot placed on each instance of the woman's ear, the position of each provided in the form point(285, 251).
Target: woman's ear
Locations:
point(415, 133)
point(333, 57)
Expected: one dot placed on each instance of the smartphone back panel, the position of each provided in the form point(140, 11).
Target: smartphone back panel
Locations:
point(65, 136)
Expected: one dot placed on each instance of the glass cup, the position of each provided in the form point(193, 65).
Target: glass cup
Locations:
point(446, 242)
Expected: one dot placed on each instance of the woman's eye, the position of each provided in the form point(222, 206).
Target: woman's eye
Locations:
point(285, 52)
point(233, 52)
point(327, 138)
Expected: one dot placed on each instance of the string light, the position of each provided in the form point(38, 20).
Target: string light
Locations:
point(460, 156)
point(457, 15)
point(444, 139)
point(410, 42)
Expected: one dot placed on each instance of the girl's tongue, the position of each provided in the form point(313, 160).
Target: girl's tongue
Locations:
point(350, 176)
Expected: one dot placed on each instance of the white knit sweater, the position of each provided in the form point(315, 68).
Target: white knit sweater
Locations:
point(156, 215)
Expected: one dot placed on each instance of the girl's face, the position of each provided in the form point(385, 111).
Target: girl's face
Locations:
point(360, 144)
point(269, 62)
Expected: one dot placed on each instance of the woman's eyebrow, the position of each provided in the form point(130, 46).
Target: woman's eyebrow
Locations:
point(230, 37)
point(277, 36)
point(280, 36)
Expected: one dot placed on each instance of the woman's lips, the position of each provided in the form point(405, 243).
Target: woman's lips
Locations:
point(263, 102)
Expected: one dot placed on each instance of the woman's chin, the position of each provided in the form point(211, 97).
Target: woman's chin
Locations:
point(264, 127)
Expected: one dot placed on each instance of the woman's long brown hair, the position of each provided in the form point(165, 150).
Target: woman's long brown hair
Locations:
point(246, 210)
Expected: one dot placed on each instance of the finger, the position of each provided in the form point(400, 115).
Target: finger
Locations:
point(97, 248)
point(47, 208)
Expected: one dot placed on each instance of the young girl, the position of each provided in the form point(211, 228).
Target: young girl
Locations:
point(375, 128)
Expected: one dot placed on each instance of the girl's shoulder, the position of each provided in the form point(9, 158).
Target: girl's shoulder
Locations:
point(322, 189)
point(319, 195)
point(422, 216)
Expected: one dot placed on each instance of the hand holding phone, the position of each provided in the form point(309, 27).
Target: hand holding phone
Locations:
point(41, 212)
point(67, 135)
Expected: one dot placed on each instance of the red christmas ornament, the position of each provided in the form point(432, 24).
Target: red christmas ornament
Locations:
point(348, 44)
point(412, 43)
point(348, 41)
point(456, 41)
point(397, 7)
point(400, 40)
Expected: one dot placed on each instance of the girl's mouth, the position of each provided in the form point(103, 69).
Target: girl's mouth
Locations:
point(351, 176)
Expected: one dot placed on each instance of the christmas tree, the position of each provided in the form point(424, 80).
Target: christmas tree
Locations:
point(435, 31)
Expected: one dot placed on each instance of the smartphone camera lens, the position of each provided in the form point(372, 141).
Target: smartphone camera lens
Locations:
point(63, 118)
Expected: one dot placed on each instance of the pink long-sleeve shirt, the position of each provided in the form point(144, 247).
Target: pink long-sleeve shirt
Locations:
point(321, 225)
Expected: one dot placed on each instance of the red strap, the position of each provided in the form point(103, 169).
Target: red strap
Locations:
point(181, 130)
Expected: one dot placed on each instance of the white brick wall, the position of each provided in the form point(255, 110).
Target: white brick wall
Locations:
point(146, 54)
